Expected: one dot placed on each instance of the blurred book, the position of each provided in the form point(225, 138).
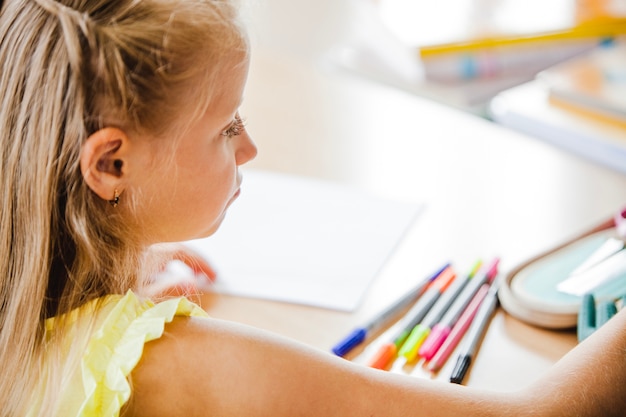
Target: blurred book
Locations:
point(503, 60)
point(407, 73)
point(593, 85)
point(398, 43)
point(472, 22)
point(374, 52)
point(463, 39)
point(527, 108)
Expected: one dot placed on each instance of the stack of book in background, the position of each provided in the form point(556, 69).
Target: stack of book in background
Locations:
point(470, 50)
point(578, 105)
point(593, 85)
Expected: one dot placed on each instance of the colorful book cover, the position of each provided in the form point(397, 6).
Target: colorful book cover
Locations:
point(458, 40)
point(595, 82)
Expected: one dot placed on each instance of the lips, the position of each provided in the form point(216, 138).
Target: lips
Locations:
point(234, 197)
point(237, 192)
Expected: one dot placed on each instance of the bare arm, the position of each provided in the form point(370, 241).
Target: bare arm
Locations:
point(591, 379)
point(214, 368)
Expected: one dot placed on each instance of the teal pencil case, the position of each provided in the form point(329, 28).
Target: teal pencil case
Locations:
point(533, 291)
point(592, 314)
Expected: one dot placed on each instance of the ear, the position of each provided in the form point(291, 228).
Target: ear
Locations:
point(103, 161)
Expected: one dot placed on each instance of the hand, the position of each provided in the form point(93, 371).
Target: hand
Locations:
point(167, 284)
point(191, 258)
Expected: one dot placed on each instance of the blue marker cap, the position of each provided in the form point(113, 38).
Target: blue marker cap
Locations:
point(357, 336)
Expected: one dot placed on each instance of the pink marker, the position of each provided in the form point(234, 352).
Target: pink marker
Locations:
point(441, 330)
point(458, 331)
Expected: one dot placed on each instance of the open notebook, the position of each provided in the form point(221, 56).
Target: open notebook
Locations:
point(301, 240)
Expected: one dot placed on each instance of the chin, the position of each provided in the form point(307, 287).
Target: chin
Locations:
point(210, 230)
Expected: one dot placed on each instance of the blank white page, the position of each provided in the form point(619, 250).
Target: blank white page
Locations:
point(302, 240)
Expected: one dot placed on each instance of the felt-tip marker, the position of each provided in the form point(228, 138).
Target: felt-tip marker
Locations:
point(413, 342)
point(441, 330)
point(474, 334)
point(359, 334)
point(388, 350)
point(458, 331)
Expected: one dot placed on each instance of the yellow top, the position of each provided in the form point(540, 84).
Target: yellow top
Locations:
point(116, 328)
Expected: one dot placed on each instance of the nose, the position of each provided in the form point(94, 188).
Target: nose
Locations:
point(246, 149)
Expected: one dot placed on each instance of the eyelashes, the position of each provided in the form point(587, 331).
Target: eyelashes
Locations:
point(236, 128)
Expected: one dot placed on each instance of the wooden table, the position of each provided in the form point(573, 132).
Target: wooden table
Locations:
point(488, 191)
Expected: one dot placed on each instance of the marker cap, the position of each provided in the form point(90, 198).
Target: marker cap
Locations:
point(460, 368)
point(434, 341)
point(357, 336)
point(414, 341)
point(383, 356)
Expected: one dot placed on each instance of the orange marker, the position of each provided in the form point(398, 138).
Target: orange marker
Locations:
point(388, 350)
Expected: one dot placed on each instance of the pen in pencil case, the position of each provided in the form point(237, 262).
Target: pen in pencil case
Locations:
point(441, 330)
point(475, 332)
point(409, 349)
point(382, 319)
point(388, 350)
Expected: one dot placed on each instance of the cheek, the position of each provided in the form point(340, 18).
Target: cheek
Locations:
point(221, 187)
point(208, 203)
point(195, 193)
point(211, 183)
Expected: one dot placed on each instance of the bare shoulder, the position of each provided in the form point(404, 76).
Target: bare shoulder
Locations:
point(207, 367)
point(195, 366)
point(212, 367)
point(216, 368)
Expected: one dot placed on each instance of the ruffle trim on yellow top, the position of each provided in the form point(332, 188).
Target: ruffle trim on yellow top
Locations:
point(123, 325)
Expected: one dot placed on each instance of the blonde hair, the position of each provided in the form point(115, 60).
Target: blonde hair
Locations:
point(69, 68)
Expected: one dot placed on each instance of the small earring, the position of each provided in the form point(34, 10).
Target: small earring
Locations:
point(116, 198)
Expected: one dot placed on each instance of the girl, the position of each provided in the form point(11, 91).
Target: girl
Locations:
point(120, 130)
